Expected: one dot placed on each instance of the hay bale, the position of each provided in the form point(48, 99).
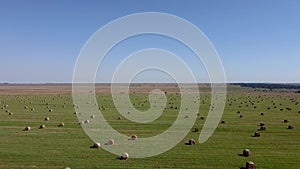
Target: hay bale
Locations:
point(202, 118)
point(120, 118)
point(191, 142)
point(223, 121)
point(7, 111)
point(261, 124)
point(196, 130)
point(250, 165)
point(256, 134)
point(246, 152)
point(124, 156)
point(290, 127)
point(241, 116)
point(62, 124)
point(67, 168)
point(50, 110)
point(27, 128)
point(262, 128)
point(96, 145)
point(285, 121)
point(262, 114)
point(32, 109)
point(42, 126)
point(47, 118)
point(26, 107)
point(238, 112)
point(111, 142)
point(10, 113)
point(87, 121)
point(133, 137)
point(92, 116)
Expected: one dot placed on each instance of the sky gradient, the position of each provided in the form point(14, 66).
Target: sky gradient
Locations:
point(257, 41)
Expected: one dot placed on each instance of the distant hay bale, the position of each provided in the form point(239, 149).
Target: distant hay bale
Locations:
point(75, 112)
point(96, 145)
point(241, 116)
point(32, 109)
point(67, 168)
point(202, 118)
point(47, 118)
point(223, 122)
point(7, 111)
point(191, 142)
point(27, 128)
point(261, 124)
point(124, 156)
point(290, 127)
point(50, 110)
point(256, 134)
point(133, 137)
point(111, 142)
point(120, 118)
point(250, 165)
point(238, 112)
point(196, 130)
point(262, 128)
point(285, 121)
point(62, 124)
point(42, 126)
point(92, 116)
point(26, 107)
point(186, 116)
point(10, 113)
point(246, 152)
point(87, 121)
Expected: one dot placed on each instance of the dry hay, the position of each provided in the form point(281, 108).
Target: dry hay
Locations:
point(96, 145)
point(92, 116)
point(10, 113)
point(47, 118)
point(62, 124)
point(120, 118)
point(290, 127)
point(246, 152)
point(50, 110)
point(27, 128)
point(256, 134)
point(111, 142)
point(42, 126)
point(191, 142)
point(250, 165)
point(133, 137)
point(285, 121)
point(124, 156)
point(196, 130)
point(262, 128)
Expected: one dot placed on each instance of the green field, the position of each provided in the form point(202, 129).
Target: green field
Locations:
point(68, 146)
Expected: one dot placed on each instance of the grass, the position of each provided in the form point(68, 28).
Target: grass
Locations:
point(56, 147)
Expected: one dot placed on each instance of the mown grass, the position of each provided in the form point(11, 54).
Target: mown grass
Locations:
point(55, 147)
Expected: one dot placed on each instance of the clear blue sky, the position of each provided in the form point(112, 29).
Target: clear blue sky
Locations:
point(257, 40)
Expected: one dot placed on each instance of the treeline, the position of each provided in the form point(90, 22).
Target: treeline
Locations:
point(269, 85)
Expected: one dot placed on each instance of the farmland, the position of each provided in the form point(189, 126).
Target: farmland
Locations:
point(69, 146)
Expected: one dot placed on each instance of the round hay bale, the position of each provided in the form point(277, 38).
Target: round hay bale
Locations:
point(62, 124)
point(7, 111)
point(238, 112)
point(32, 109)
point(67, 168)
point(285, 121)
point(261, 124)
point(202, 118)
point(111, 142)
point(26, 107)
point(42, 126)
point(27, 128)
point(133, 137)
point(290, 127)
point(47, 118)
point(92, 116)
point(250, 165)
point(186, 116)
point(50, 110)
point(223, 122)
point(256, 134)
point(124, 156)
point(262, 128)
point(241, 116)
point(192, 142)
point(246, 152)
point(87, 121)
point(120, 118)
point(262, 114)
point(75, 112)
point(10, 113)
point(196, 130)
point(96, 145)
